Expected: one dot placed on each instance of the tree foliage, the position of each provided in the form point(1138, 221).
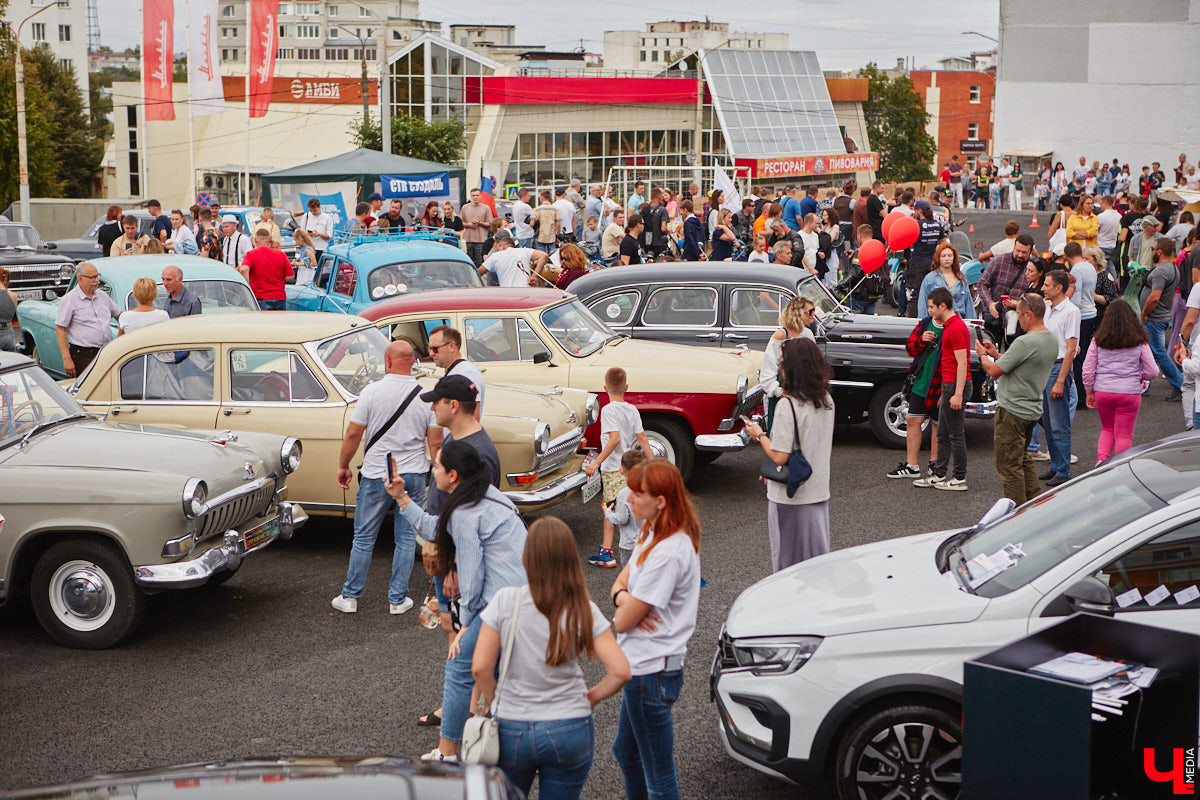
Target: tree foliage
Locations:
point(442, 141)
point(896, 120)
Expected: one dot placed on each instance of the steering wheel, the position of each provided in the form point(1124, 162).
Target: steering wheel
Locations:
point(274, 387)
point(574, 337)
point(36, 409)
point(477, 351)
point(364, 375)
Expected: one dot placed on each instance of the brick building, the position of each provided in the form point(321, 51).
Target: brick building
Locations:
point(960, 104)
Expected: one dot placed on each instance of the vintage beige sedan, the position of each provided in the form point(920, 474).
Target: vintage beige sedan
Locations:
point(299, 373)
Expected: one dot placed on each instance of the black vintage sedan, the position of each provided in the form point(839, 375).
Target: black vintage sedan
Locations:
point(726, 304)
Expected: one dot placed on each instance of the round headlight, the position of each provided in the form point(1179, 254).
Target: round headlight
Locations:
point(541, 439)
point(289, 455)
point(593, 409)
point(66, 271)
point(195, 495)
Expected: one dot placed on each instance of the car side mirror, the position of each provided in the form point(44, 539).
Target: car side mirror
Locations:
point(50, 245)
point(1091, 595)
point(999, 510)
point(543, 357)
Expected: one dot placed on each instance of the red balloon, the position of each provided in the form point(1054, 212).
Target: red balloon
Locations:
point(888, 222)
point(871, 255)
point(904, 233)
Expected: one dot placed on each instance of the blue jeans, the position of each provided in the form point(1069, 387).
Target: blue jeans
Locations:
point(272, 305)
point(558, 752)
point(1034, 441)
point(1111, 263)
point(1156, 331)
point(545, 247)
point(862, 306)
point(645, 742)
point(457, 685)
point(370, 507)
point(1056, 421)
point(525, 242)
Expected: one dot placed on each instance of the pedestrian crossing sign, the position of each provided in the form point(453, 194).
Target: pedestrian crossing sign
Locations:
point(510, 190)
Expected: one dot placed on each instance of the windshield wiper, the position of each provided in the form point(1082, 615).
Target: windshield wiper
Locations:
point(959, 569)
point(41, 426)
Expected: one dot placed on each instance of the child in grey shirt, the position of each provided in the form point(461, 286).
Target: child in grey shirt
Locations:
point(620, 513)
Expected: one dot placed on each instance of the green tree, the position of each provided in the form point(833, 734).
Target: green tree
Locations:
point(442, 142)
point(896, 120)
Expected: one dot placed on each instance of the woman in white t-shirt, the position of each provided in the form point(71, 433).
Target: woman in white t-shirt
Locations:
point(145, 290)
point(656, 595)
point(544, 706)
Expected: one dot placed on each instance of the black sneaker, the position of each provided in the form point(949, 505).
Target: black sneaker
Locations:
point(1174, 395)
point(1047, 475)
point(903, 470)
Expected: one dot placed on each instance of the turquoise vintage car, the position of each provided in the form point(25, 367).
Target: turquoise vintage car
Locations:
point(359, 269)
point(220, 288)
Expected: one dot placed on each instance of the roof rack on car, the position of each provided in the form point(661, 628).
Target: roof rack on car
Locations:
point(411, 233)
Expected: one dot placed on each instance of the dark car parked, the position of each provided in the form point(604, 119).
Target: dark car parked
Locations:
point(722, 304)
point(35, 270)
point(86, 245)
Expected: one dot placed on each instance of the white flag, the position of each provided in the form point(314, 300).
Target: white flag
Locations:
point(730, 197)
point(204, 74)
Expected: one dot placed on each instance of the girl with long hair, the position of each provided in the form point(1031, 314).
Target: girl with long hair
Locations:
point(430, 216)
point(1118, 360)
point(798, 524)
point(306, 257)
point(723, 236)
point(544, 707)
point(946, 274)
point(794, 320)
point(478, 533)
point(657, 595)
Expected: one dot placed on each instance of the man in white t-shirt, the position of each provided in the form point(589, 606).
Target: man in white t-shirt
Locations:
point(1110, 228)
point(522, 214)
point(566, 211)
point(808, 234)
point(445, 345)
point(318, 226)
point(404, 439)
point(1059, 398)
point(513, 266)
point(1190, 332)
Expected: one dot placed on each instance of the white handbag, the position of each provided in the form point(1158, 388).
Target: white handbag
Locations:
point(481, 735)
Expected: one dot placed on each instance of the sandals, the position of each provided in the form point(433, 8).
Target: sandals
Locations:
point(430, 720)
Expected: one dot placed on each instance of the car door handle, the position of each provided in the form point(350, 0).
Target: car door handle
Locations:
point(124, 409)
point(736, 337)
point(708, 336)
point(228, 411)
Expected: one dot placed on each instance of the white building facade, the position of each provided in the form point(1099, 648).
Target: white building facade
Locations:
point(62, 28)
point(658, 45)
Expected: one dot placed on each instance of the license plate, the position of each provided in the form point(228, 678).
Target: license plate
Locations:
point(592, 487)
point(29, 294)
point(256, 536)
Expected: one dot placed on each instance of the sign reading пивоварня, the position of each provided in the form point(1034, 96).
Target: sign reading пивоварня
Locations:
point(815, 165)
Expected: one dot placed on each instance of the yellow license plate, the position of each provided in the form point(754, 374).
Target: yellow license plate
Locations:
point(256, 536)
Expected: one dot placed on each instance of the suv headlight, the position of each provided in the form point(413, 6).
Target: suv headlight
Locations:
point(195, 495)
point(773, 655)
point(592, 412)
point(541, 439)
point(289, 455)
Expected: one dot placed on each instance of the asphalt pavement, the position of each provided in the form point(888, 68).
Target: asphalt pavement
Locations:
point(263, 666)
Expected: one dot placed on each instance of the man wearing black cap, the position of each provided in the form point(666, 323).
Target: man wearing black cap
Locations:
point(454, 405)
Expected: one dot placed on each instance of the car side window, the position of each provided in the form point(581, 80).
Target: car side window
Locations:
point(415, 332)
point(616, 309)
point(346, 278)
point(272, 376)
point(682, 305)
point(756, 308)
point(501, 339)
point(324, 270)
point(179, 375)
point(1168, 563)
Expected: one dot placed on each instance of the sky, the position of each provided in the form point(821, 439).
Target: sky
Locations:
point(845, 35)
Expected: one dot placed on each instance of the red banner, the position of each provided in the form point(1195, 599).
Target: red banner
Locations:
point(158, 60)
point(264, 42)
point(799, 166)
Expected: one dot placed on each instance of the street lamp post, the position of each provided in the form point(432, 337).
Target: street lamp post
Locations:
point(22, 149)
point(385, 92)
point(366, 83)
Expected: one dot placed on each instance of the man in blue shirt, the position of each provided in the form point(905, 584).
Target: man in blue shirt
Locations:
point(809, 204)
point(792, 216)
point(160, 228)
point(693, 233)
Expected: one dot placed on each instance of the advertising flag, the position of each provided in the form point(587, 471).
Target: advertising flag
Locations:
point(204, 76)
point(158, 61)
point(263, 35)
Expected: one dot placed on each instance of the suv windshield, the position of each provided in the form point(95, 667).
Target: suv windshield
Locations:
point(19, 236)
point(1058, 525)
point(419, 276)
point(353, 359)
point(215, 295)
point(576, 328)
point(28, 398)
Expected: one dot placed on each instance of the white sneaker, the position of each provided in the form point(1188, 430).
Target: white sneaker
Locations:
point(1040, 455)
point(436, 755)
point(400, 608)
point(347, 605)
point(1074, 459)
point(952, 485)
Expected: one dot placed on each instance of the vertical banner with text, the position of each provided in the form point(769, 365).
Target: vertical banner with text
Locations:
point(204, 75)
point(263, 36)
point(158, 60)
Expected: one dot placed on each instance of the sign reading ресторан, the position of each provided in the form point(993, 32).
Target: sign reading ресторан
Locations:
point(814, 165)
point(431, 185)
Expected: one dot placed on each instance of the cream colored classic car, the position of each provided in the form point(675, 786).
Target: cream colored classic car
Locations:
point(299, 373)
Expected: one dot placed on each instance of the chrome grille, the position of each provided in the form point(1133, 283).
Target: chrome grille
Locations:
point(560, 451)
point(234, 512)
point(35, 276)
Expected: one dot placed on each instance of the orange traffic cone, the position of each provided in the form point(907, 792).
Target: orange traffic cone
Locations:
point(971, 228)
point(1034, 224)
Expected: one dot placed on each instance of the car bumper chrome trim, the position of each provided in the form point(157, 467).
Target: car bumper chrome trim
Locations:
point(981, 410)
point(554, 490)
point(722, 442)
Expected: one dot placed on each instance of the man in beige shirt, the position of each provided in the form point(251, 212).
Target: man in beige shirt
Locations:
point(476, 217)
point(548, 223)
point(126, 244)
point(610, 243)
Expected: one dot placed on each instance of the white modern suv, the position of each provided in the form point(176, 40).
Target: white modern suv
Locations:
point(849, 666)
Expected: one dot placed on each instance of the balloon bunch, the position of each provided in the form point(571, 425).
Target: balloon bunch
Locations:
point(900, 231)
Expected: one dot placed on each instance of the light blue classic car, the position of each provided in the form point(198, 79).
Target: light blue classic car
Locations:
point(359, 269)
point(220, 288)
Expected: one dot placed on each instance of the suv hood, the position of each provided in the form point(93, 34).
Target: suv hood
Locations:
point(892, 584)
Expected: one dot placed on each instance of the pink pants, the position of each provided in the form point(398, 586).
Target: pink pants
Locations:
point(1118, 416)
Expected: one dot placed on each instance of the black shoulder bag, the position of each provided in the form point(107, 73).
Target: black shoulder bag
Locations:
point(387, 426)
point(797, 470)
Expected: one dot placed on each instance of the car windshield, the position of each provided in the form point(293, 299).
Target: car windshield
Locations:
point(352, 359)
point(283, 219)
point(419, 276)
point(215, 296)
point(29, 398)
point(19, 236)
point(575, 328)
point(824, 301)
point(1057, 525)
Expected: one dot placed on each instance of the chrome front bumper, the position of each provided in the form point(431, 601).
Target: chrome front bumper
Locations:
point(722, 442)
point(226, 556)
point(555, 490)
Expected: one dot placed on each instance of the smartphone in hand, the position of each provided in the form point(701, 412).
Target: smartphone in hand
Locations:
point(391, 467)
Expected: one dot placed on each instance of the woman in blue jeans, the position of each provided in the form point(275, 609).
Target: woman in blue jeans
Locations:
point(656, 596)
point(544, 706)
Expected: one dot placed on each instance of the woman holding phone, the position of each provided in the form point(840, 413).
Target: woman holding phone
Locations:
point(656, 596)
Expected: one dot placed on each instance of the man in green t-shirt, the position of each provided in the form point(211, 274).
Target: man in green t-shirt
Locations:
point(1021, 375)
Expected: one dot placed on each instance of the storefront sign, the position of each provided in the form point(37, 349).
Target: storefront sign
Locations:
point(811, 165)
point(972, 145)
point(435, 184)
point(326, 91)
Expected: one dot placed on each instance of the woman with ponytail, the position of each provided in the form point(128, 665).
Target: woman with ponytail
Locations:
point(480, 533)
point(656, 595)
point(544, 707)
